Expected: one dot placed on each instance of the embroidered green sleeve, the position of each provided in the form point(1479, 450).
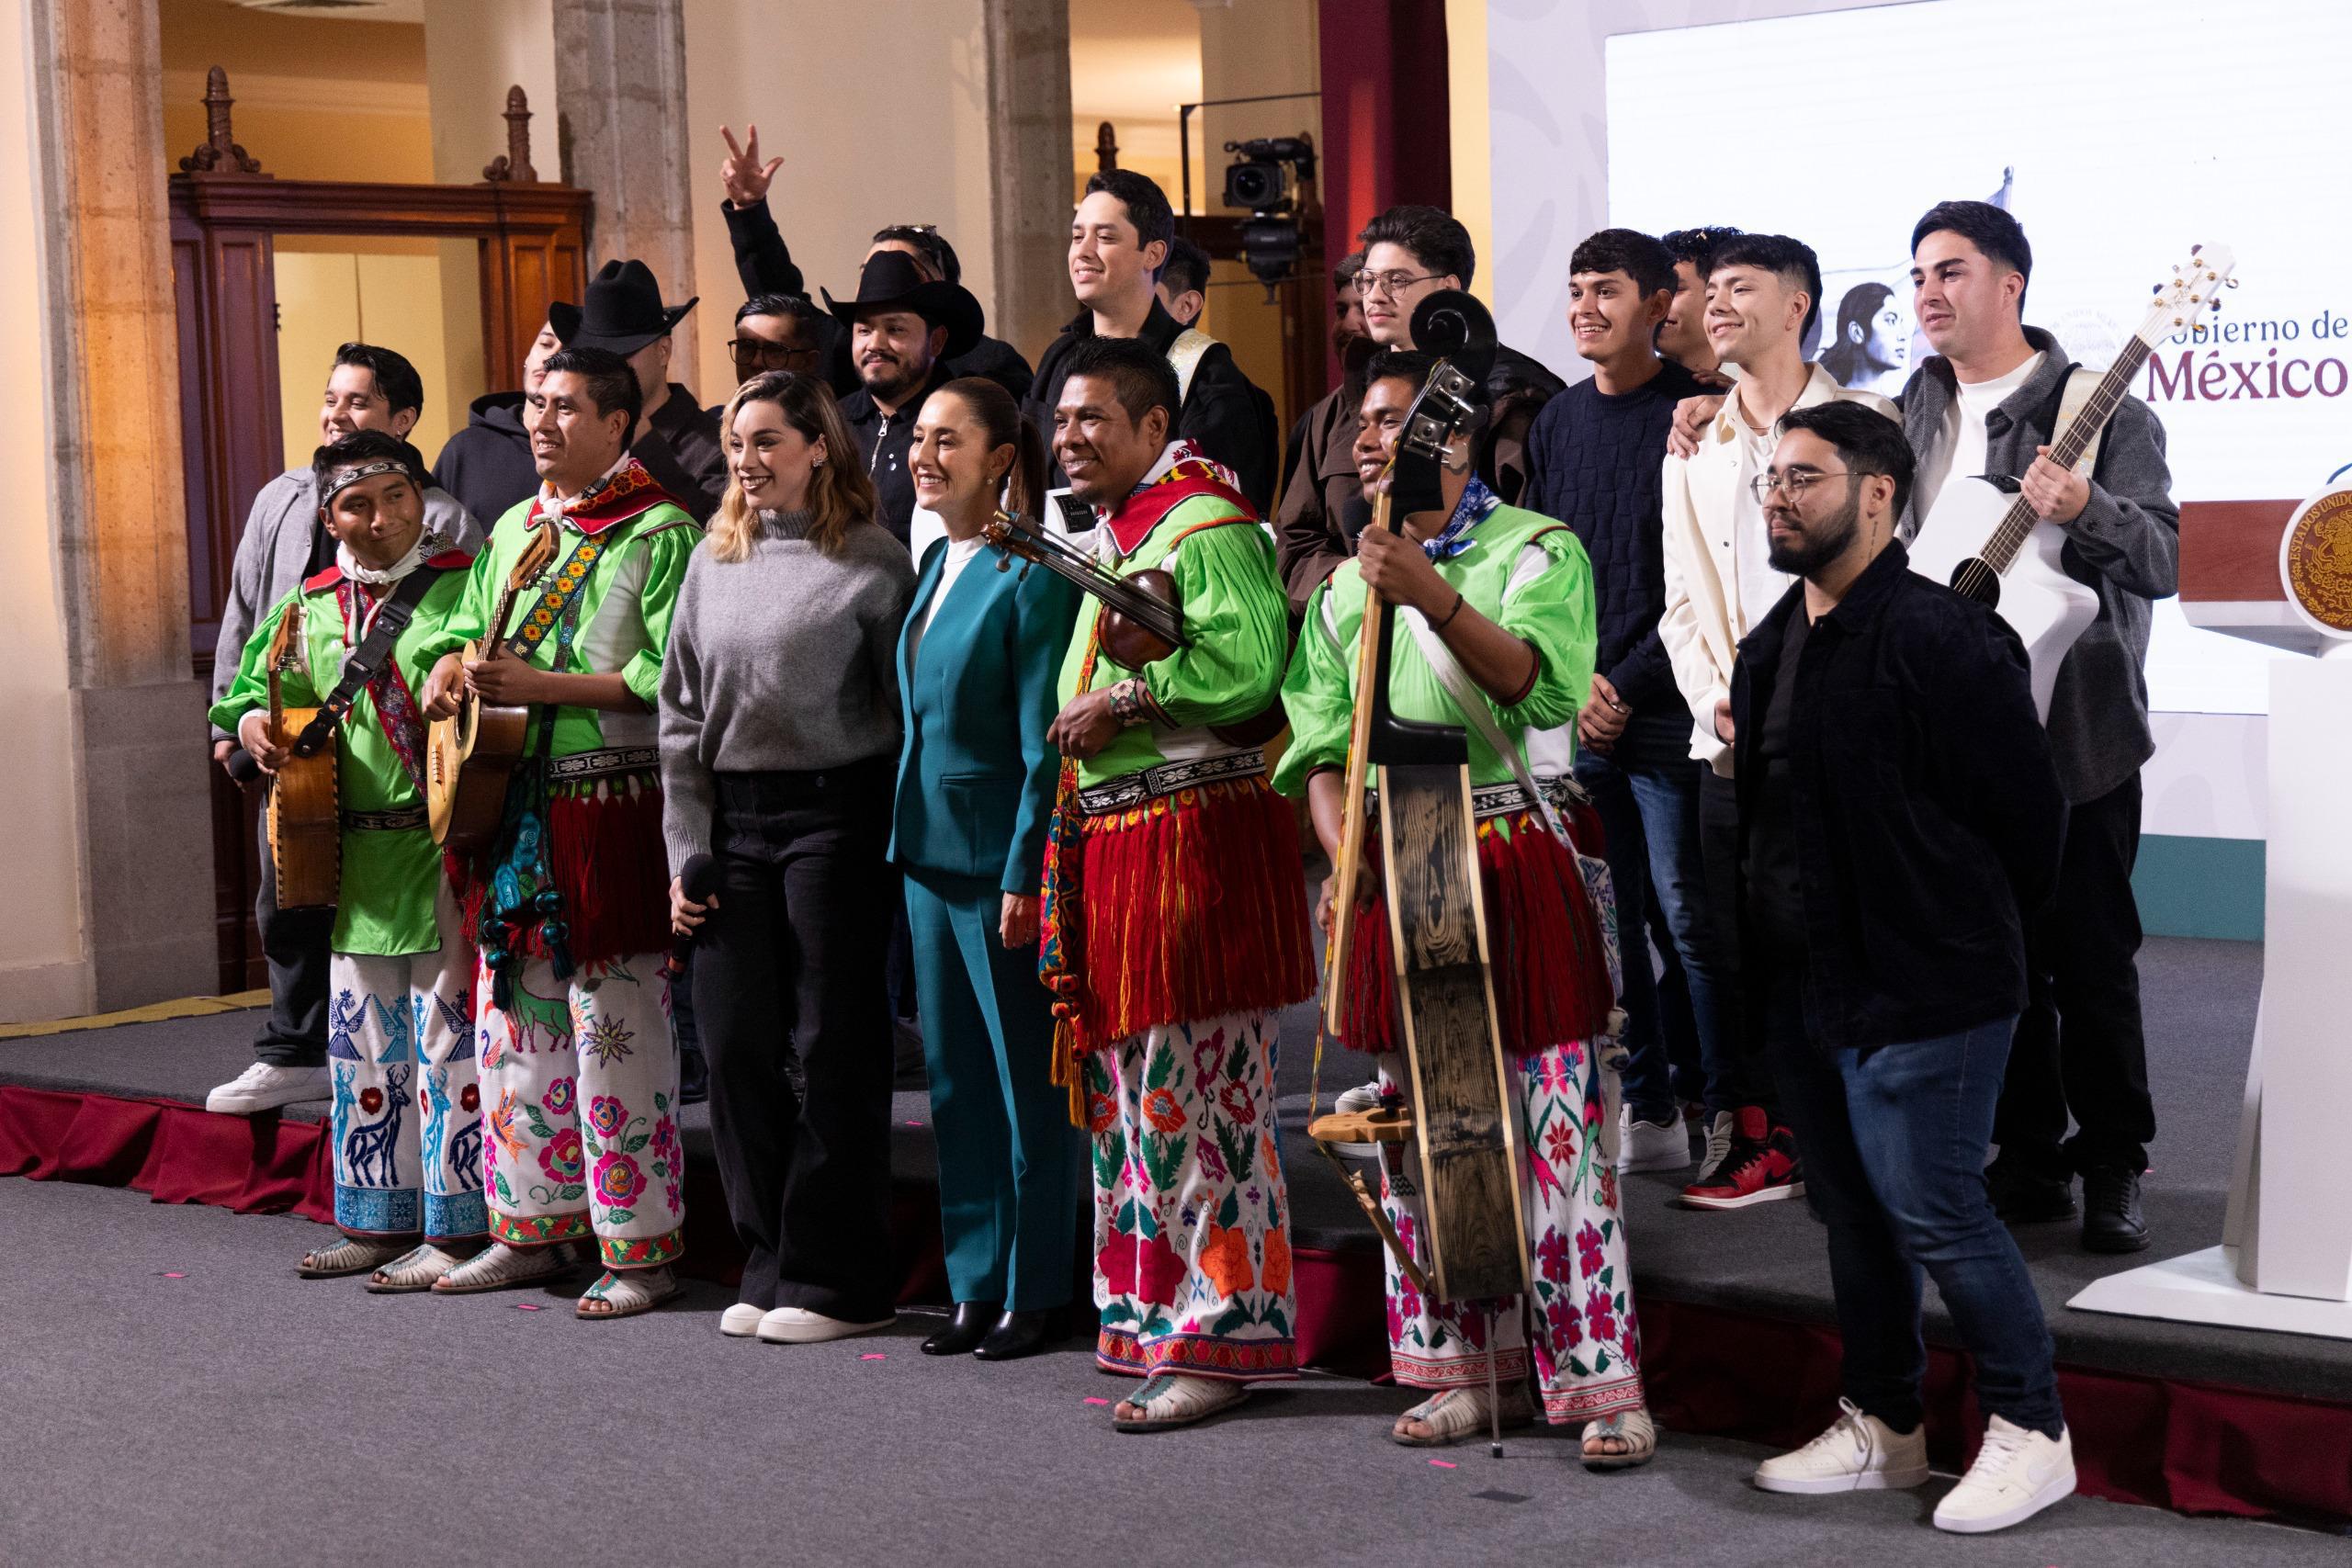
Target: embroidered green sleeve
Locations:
point(1552, 612)
point(667, 553)
point(1316, 695)
point(1237, 623)
point(249, 690)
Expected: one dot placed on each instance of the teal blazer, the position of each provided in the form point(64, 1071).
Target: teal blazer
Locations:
point(977, 774)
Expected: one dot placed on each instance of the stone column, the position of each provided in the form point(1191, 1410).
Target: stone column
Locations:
point(1030, 167)
point(112, 352)
point(620, 81)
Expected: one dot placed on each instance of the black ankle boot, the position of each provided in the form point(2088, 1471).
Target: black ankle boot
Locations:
point(2113, 1220)
point(966, 1328)
point(2026, 1191)
point(1019, 1334)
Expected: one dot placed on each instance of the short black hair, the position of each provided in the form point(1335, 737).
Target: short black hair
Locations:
point(1188, 268)
point(1146, 207)
point(1637, 255)
point(396, 379)
point(927, 240)
point(788, 307)
point(1409, 363)
point(1697, 245)
point(1140, 373)
point(1990, 229)
point(1792, 260)
point(366, 446)
point(612, 385)
point(1435, 236)
point(1867, 441)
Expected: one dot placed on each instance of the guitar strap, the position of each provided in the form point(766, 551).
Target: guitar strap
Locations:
point(367, 660)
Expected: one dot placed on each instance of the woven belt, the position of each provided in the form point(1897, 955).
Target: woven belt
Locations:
point(602, 764)
point(384, 821)
point(1151, 784)
point(1503, 799)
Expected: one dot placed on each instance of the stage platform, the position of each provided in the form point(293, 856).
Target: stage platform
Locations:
point(1735, 1308)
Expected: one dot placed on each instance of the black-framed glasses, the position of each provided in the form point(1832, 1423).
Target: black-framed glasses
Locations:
point(769, 356)
point(1795, 481)
point(1390, 283)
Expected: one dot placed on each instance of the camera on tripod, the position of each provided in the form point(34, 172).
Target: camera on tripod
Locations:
point(1265, 177)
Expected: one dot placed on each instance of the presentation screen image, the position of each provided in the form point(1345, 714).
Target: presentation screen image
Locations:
point(2120, 136)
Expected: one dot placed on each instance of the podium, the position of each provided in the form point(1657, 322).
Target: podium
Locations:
point(2285, 1261)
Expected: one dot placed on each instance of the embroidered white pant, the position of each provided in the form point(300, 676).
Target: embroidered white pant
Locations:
point(580, 1093)
point(406, 1120)
point(1191, 1221)
point(1587, 1346)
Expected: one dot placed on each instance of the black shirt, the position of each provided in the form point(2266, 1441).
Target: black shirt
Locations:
point(883, 442)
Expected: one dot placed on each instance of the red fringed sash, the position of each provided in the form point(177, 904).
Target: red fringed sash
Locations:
point(606, 856)
point(1544, 944)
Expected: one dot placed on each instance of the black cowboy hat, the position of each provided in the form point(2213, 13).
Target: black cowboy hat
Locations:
point(891, 281)
point(624, 311)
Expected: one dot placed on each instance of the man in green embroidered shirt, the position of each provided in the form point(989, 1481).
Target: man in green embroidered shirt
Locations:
point(400, 1019)
point(570, 905)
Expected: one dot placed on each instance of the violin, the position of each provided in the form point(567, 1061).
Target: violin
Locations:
point(1142, 622)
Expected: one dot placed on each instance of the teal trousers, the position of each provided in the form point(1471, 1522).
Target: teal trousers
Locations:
point(1010, 1162)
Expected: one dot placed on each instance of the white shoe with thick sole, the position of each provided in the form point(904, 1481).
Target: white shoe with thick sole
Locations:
point(1858, 1454)
point(2017, 1475)
point(1653, 1145)
point(266, 1087)
point(798, 1326)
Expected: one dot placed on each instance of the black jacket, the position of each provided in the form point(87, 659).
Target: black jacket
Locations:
point(882, 442)
point(685, 455)
point(765, 265)
point(487, 466)
point(1222, 414)
point(1926, 811)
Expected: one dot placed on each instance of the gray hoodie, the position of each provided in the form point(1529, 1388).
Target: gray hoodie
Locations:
point(2126, 545)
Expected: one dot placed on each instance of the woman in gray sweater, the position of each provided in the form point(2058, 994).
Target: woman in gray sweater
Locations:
point(779, 735)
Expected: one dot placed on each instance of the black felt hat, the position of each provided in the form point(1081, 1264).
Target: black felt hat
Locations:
point(891, 281)
point(623, 311)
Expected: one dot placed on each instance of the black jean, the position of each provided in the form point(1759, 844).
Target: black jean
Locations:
point(294, 943)
point(2080, 1048)
point(792, 961)
point(1746, 1075)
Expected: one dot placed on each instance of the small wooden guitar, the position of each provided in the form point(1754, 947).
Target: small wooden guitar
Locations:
point(471, 756)
point(1986, 540)
point(304, 810)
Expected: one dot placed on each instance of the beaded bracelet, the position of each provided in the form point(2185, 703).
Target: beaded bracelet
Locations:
point(1127, 702)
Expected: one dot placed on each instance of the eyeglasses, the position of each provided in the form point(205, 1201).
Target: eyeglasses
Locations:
point(770, 356)
point(1390, 283)
point(1795, 481)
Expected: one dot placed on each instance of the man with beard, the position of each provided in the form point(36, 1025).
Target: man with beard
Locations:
point(903, 329)
point(1900, 820)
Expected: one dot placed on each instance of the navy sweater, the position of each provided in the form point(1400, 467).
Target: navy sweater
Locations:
point(1597, 464)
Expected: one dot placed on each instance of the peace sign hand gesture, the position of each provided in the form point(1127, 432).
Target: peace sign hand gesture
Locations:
point(745, 177)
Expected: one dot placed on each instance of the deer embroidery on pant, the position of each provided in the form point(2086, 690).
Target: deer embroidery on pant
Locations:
point(370, 1153)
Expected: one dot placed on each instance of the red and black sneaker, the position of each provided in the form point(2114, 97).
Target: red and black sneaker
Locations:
point(1761, 1166)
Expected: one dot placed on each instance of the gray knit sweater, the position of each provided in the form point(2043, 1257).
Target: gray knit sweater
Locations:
point(787, 661)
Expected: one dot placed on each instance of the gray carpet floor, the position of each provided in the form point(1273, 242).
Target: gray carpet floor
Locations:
point(175, 1396)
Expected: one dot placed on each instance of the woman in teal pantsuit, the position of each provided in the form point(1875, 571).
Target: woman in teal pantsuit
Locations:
point(977, 666)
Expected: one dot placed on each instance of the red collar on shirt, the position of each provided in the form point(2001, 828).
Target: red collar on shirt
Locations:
point(1132, 524)
point(629, 493)
point(447, 560)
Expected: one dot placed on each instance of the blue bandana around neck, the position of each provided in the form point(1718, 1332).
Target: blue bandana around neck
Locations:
point(1477, 504)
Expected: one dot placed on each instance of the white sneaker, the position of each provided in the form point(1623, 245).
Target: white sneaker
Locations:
point(1353, 1102)
point(741, 1320)
point(1652, 1146)
point(798, 1326)
point(265, 1088)
point(1858, 1454)
point(1719, 1135)
point(2017, 1475)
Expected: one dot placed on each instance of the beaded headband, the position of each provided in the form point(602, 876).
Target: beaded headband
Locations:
point(345, 478)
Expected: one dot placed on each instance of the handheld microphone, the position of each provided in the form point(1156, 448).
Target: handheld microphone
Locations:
point(242, 766)
point(698, 878)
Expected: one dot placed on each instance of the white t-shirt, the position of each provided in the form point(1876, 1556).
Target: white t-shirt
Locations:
point(1759, 586)
point(959, 556)
point(1961, 449)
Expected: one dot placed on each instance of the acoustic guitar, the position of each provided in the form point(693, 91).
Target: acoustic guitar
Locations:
point(471, 756)
point(304, 810)
point(1986, 540)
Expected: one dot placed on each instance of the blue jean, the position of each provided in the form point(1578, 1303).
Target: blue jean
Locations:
point(1650, 814)
point(1894, 1139)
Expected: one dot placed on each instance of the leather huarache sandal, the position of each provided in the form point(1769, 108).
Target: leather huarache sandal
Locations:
point(415, 1270)
point(1170, 1400)
point(352, 1254)
point(627, 1293)
point(1458, 1415)
point(499, 1267)
point(1632, 1430)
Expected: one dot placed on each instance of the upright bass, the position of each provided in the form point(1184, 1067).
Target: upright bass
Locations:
point(1464, 1124)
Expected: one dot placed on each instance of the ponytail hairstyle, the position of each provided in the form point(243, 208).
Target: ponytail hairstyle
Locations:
point(841, 496)
point(1001, 419)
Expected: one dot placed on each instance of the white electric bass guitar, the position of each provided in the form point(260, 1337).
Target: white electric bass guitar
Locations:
point(1984, 538)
